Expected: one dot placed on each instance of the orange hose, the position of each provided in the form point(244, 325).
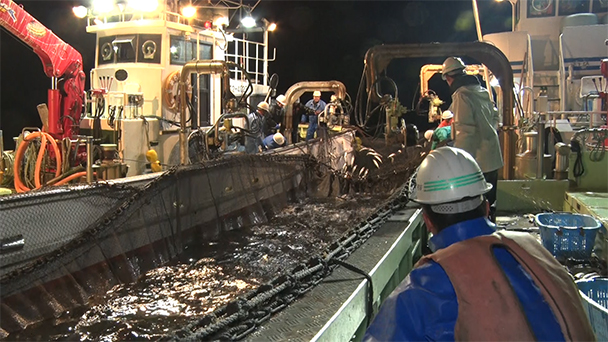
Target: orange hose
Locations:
point(39, 161)
point(19, 186)
point(71, 177)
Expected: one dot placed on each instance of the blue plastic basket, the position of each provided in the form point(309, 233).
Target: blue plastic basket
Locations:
point(595, 302)
point(568, 235)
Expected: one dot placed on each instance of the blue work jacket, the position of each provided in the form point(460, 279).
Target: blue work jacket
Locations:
point(318, 107)
point(424, 306)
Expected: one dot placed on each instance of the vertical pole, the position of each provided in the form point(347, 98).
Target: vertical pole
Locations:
point(1, 158)
point(512, 15)
point(89, 159)
point(540, 148)
point(265, 71)
point(480, 38)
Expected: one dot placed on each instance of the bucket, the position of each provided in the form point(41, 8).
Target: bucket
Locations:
point(568, 235)
point(595, 301)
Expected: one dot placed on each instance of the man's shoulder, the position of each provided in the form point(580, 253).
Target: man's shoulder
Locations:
point(431, 277)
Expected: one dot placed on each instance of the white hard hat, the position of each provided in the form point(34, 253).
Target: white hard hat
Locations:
point(447, 115)
point(447, 176)
point(428, 135)
point(450, 65)
point(278, 138)
point(281, 99)
point(316, 93)
point(263, 105)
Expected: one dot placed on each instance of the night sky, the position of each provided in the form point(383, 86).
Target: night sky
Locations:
point(315, 40)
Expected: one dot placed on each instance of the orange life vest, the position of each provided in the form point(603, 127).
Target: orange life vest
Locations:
point(488, 308)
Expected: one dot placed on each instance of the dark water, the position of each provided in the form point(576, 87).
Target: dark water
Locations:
point(208, 275)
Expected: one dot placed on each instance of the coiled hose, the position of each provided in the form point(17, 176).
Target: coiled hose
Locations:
point(44, 137)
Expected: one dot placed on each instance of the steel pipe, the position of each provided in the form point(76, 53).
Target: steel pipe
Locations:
point(89, 159)
point(540, 149)
point(198, 67)
point(378, 58)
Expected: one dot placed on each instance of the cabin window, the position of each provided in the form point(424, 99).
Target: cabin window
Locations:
point(182, 50)
point(149, 48)
point(541, 8)
point(567, 7)
point(205, 51)
point(599, 6)
point(124, 48)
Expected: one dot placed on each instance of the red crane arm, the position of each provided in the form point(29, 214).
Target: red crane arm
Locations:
point(59, 60)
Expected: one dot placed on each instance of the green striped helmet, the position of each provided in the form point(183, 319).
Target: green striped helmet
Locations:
point(448, 174)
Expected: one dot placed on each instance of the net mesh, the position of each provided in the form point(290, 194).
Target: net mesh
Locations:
point(137, 230)
point(79, 242)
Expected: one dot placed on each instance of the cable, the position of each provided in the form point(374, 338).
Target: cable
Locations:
point(578, 168)
point(370, 293)
point(19, 186)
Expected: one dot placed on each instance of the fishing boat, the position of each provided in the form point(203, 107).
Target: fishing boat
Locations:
point(151, 215)
point(170, 98)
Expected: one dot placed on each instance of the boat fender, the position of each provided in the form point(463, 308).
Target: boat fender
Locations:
point(152, 158)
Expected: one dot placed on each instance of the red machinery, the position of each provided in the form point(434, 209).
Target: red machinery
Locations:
point(60, 61)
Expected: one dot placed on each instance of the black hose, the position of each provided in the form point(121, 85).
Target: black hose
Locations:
point(578, 169)
point(99, 110)
point(370, 286)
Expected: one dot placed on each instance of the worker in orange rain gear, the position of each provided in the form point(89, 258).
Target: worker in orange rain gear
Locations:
point(479, 284)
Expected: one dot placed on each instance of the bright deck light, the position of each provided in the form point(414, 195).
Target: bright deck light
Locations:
point(248, 22)
point(103, 6)
point(272, 27)
point(220, 22)
point(144, 5)
point(189, 11)
point(79, 11)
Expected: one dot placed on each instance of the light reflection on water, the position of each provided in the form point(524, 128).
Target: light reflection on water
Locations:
point(208, 275)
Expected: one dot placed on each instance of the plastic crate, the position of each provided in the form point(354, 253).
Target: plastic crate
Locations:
point(595, 302)
point(568, 235)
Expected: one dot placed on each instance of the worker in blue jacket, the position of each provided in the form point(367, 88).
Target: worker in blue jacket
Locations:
point(317, 106)
point(478, 284)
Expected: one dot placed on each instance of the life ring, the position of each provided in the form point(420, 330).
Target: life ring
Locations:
point(171, 91)
point(541, 5)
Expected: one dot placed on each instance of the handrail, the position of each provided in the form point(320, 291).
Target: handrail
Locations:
point(199, 67)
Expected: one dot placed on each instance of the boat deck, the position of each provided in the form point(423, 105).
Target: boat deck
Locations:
point(335, 309)
point(590, 203)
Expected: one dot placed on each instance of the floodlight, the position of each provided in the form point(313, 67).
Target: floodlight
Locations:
point(143, 5)
point(103, 6)
point(248, 22)
point(189, 11)
point(80, 11)
point(220, 21)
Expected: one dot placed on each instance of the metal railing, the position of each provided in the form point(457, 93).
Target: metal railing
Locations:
point(253, 56)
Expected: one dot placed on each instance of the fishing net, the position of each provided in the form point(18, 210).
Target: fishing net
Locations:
point(79, 242)
point(136, 230)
